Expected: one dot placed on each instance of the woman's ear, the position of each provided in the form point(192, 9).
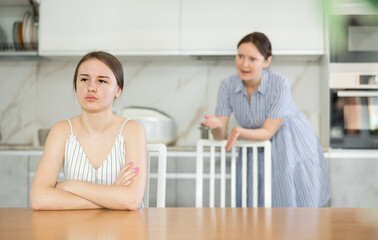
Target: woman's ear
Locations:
point(267, 61)
point(118, 93)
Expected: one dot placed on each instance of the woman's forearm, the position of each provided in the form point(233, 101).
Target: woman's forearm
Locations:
point(266, 132)
point(259, 134)
point(50, 198)
point(108, 196)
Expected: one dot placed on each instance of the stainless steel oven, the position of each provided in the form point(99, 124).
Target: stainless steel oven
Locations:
point(354, 110)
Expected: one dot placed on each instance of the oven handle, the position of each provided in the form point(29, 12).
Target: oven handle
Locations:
point(357, 94)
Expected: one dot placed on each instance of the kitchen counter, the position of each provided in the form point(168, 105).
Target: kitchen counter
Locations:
point(21, 147)
point(31, 147)
point(191, 151)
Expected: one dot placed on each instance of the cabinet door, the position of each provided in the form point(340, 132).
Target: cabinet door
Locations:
point(216, 26)
point(13, 180)
point(354, 182)
point(73, 27)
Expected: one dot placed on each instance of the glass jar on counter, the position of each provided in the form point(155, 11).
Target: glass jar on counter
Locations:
point(205, 131)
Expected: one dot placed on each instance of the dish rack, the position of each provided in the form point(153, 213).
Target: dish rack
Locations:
point(21, 35)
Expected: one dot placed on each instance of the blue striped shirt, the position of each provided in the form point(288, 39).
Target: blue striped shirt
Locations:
point(299, 173)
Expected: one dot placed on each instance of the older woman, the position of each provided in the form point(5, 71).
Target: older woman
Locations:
point(262, 104)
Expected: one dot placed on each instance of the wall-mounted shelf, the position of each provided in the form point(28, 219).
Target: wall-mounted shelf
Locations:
point(18, 53)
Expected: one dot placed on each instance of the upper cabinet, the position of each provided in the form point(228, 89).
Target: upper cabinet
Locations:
point(123, 27)
point(216, 26)
point(178, 27)
point(18, 27)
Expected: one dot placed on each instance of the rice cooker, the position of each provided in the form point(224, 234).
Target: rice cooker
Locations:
point(160, 127)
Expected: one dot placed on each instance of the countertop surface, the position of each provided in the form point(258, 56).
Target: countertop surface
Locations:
point(26, 147)
point(190, 151)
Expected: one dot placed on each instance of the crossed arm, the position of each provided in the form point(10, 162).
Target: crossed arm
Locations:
point(126, 193)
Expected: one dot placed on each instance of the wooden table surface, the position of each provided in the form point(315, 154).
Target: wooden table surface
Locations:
point(191, 223)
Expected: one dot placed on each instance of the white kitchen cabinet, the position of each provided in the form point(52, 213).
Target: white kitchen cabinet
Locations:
point(122, 27)
point(13, 180)
point(178, 27)
point(353, 176)
point(215, 26)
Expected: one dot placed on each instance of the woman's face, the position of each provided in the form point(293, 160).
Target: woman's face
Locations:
point(250, 62)
point(96, 86)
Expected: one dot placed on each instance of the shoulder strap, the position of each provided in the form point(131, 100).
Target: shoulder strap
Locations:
point(70, 126)
point(122, 126)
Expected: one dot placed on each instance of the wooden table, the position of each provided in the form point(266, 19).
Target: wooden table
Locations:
point(191, 223)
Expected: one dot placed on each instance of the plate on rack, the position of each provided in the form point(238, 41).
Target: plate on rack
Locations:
point(19, 35)
point(35, 34)
point(25, 29)
point(14, 35)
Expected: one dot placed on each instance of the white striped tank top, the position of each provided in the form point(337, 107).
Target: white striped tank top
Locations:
point(77, 166)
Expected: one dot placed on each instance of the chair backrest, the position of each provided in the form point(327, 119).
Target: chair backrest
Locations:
point(213, 144)
point(159, 151)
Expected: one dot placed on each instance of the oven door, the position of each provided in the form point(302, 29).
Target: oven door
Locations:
point(354, 119)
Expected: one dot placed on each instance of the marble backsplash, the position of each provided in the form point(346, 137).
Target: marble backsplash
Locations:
point(36, 94)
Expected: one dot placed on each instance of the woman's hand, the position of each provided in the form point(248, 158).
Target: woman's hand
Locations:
point(232, 137)
point(212, 121)
point(126, 175)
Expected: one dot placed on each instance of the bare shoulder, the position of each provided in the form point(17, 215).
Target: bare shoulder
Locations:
point(59, 131)
point(135, 137)
point(133, 127)
point(61, 127)
point(55, 142)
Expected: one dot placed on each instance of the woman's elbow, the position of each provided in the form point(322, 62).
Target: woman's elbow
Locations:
point(268, 135)
point(35, 207)
point(36, 202)
point(130, 204)
point(268, 138)
point(133, 207)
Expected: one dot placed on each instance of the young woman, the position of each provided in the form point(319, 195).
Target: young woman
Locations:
point(262, 104)
point(103, 155)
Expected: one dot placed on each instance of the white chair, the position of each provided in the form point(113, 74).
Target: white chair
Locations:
point(160, 151)
point(213, 144)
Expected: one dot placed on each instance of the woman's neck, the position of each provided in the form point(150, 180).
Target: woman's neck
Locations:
point(96, 122)
point(251, 86)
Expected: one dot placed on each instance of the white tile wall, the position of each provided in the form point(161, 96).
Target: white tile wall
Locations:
point(36, 94)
